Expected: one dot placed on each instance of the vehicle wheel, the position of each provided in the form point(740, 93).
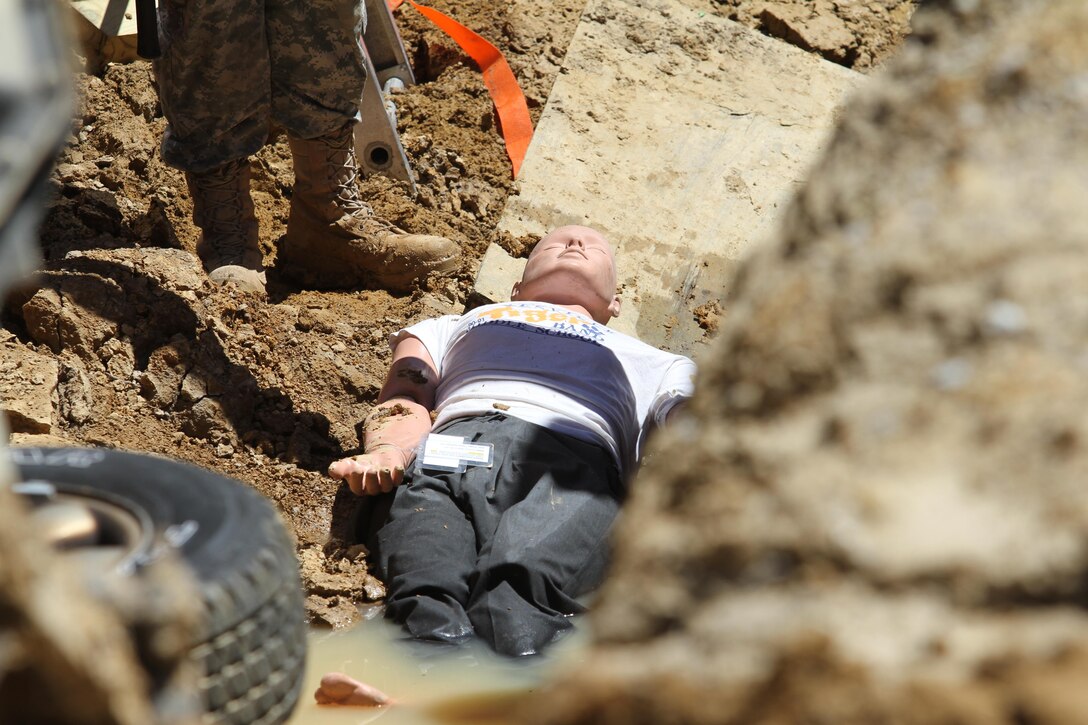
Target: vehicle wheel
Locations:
point(120, 512)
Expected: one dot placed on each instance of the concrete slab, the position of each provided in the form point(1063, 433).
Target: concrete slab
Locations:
point(112, 17)
point(106, 31)
point(680, 135)
point(496, 277)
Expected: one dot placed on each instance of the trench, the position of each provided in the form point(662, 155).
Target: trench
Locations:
point(431, 685)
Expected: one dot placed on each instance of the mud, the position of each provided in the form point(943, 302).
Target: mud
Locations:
point(126, 344)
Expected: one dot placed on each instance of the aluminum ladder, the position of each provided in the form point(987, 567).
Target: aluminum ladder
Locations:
point(377, 144)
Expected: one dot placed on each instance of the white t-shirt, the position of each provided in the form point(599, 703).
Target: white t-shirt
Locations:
point(556, 368)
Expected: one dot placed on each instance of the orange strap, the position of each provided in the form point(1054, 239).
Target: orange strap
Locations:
point(517, 128)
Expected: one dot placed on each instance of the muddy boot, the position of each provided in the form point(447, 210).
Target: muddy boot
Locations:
point(223, 209)
point(333, 238)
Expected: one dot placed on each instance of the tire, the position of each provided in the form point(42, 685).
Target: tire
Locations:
point(251, 643)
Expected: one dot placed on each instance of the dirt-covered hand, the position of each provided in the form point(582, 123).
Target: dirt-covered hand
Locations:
point(369, 474)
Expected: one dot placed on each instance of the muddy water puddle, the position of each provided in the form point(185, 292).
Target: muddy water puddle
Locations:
point(431, 685)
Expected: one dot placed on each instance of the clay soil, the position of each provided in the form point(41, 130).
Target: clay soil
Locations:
point(150, 357)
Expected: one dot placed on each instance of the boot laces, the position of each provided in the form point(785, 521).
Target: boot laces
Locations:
point(344, 169)
point(224, 200)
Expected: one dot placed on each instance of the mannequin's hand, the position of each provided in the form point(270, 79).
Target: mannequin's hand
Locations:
point(369, 474)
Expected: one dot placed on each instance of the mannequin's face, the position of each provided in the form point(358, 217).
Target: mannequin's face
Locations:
point(572, 265)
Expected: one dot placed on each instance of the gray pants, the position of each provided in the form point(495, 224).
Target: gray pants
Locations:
point(501, 553)
point(229, 67)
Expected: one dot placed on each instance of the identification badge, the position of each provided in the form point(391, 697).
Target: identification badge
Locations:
point(452, 453)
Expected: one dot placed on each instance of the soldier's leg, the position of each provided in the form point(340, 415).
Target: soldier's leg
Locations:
point(214, 81)
point(317, 65)
point(333, 238)
point(214, 86)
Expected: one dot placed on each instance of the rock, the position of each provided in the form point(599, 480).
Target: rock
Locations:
point(821, 33)
point(28, 388)
point(43, 440)
point(75, 392)
point(336, 612)
point(204, 418)
point(336, 581)
point(161, 381)
point(172, 270)
point(439, 303)
point(55, 316)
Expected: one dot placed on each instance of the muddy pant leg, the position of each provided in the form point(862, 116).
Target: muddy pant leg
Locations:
point(214, 81)
point(318, 69)
point(559, 498)
point(426, 551)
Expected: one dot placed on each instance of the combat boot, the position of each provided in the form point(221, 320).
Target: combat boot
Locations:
point(223, 209)
point(333, 238)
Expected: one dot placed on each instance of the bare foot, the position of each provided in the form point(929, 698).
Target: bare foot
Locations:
point(339, 689)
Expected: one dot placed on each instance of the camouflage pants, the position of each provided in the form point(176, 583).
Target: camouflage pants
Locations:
point(229, 67)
